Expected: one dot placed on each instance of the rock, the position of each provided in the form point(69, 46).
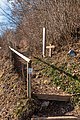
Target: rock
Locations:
point(45, 104)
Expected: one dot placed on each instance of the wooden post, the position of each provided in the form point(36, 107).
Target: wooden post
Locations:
point(29, 79)
point(50, 49)
point(44, 42)
point(23, 76)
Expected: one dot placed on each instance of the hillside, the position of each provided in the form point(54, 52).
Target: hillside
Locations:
point(59, 74)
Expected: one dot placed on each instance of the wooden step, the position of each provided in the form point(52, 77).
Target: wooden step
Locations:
point(56, 118)
point(53, 97)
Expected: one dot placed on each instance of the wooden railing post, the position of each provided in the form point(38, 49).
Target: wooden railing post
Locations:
point(28, 80)
point(23, 76)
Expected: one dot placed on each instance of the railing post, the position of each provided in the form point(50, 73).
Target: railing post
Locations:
point(28, 80)
point(23, 76)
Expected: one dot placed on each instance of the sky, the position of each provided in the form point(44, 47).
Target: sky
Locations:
point(4, 21)
point(3, 5)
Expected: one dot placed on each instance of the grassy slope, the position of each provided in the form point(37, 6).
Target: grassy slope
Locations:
point(63, 70)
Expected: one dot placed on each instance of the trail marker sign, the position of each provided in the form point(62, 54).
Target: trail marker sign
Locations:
point(30, 70)
point(50, 49)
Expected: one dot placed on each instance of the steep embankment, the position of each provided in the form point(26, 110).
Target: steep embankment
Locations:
point(60, 70)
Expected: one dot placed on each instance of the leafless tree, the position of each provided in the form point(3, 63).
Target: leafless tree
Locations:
point(61, 19)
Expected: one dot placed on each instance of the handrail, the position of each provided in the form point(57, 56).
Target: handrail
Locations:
point(28, 71)
point(20, 55)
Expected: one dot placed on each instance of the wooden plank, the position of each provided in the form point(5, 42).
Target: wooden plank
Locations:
point(51, 46)
point(20, 55)
point(53, 97)
point(57, 118)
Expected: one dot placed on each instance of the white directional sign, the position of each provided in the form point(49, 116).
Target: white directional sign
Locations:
point(30, 70)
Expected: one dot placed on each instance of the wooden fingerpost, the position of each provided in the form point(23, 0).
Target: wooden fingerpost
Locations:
point(44, 42)
point(50, 49)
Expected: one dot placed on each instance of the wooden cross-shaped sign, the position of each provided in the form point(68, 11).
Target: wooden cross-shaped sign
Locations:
point(50, 49)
